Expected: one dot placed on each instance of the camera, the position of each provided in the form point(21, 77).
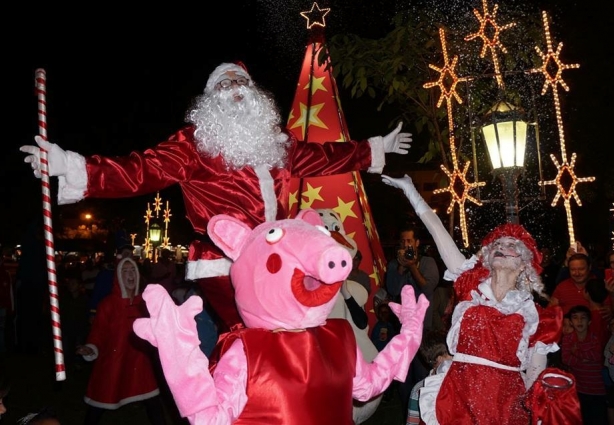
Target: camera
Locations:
point(409, 253)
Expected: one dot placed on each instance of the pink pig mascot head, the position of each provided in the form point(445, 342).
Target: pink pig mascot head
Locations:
point(286, 273)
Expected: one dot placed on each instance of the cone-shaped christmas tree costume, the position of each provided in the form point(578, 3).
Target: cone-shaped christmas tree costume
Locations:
point(317, 117)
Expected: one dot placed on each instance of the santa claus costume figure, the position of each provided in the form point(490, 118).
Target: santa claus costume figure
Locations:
point(234, 157)
point(122, 372)
point(499, 337)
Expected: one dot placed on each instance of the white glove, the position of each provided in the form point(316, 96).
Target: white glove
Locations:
point(397, 142)
point(56, 157)
point(406, 184)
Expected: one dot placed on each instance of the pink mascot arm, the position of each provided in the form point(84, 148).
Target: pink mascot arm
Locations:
point(393, 361)
point(172, 329)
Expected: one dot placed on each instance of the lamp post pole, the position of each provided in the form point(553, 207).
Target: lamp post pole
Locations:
point(509, 177)
point(505, 135)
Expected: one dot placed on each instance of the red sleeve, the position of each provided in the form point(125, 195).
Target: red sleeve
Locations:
point(143, 172)
point(550, 325)
point(309, 159)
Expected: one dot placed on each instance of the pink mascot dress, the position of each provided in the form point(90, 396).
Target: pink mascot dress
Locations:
point(291, 364)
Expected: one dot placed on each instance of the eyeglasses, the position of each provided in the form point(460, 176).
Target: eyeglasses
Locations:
point(226, 83)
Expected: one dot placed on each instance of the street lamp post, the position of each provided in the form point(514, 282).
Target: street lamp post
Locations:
point(505, 134)
point(155, 232)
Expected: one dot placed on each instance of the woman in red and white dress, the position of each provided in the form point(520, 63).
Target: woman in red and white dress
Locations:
point(499, 336)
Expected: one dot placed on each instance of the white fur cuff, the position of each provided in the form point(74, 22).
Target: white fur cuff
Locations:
point(72, 186)
point(378, 156)
point(207, 268)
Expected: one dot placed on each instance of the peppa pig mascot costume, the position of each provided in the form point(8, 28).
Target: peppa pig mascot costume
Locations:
point(290, 364)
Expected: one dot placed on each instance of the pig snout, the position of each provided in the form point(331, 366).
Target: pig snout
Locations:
point(334, 265)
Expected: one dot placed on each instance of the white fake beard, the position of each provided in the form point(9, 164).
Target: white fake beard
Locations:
point(244, 133)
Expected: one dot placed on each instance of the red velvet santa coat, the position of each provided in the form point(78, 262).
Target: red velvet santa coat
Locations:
point(123, 372)
point(209, 188)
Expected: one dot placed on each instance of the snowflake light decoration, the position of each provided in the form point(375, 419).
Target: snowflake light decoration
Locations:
point(489, 32)
point(459, 187)
point(566, 180)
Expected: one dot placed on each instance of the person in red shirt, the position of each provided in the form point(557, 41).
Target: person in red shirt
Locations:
point(570, 292)
point(583, 354)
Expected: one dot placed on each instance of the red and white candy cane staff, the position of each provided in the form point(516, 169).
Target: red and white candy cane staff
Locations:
point(40, 80)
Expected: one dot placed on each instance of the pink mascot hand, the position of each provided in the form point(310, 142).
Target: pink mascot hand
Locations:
point(172, 329)
point(410, 313)
point(403, 347)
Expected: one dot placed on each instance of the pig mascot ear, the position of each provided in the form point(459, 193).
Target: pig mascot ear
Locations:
point(229, 234)
point(311, 216)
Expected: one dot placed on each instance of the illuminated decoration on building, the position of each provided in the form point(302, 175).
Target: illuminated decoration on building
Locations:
point(612, 210)
point(566, 179)
point(489, 34)
point(458, 187)
point(316, 116)
point(150, 215)
point(315, 16)
point(132, 238)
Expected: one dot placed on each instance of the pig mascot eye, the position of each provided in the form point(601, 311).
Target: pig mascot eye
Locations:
point(274, 235)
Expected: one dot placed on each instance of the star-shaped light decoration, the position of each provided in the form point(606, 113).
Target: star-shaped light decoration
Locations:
point(489, 32)
point(157, 204)
point(566, 179)
point(315, 16)
point(459, 187)
point(552, 69)
point(148, 214)
point(566, 182)
point(167, 213)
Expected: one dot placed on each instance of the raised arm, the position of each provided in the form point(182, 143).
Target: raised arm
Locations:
point(450, 254)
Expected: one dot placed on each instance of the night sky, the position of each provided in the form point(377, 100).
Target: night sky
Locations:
point(120, 79)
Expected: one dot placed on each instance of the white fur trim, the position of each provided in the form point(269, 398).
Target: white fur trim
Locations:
point(208, 268)
point(91, 357)
point(267, 190)
point(114, 406)
point(378, 155)
point(72, 186)
point(217, 75)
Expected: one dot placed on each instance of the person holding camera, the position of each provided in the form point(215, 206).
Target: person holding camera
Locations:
point(422, 273)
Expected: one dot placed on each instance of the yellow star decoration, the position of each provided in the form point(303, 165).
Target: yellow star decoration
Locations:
point(315, 16)
point(311, 194)
point(316, 84)
point(489, 26)
point(293, 199)
point(457, 180)
point(312, 113)
point(565, 171)
point(344, 209)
